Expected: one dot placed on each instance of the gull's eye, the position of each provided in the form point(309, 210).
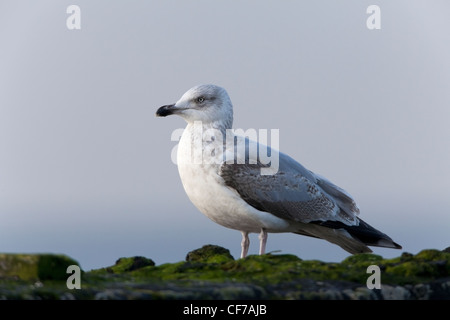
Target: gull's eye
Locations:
point(200, 99)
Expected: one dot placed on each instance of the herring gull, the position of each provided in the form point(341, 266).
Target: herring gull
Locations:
point(237, 194)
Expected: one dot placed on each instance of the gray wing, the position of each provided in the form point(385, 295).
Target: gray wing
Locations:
point(293, 193)
point(342, 198)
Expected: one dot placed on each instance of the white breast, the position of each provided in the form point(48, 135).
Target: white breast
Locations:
point(208, 192)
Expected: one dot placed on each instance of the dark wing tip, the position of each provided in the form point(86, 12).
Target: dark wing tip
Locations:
point(397, 246)
point(363, 232)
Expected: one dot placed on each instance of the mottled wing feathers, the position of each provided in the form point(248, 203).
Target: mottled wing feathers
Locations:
point(342, 198)
point(288, 194)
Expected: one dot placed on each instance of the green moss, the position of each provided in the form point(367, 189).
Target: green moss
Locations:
point(125, 265)
point(23, 266)
point(35, 266)
point(362, 260)
point(212, 272)
point(426, 265)
point(216, 265)
point(54, 267)
point(210, 254)
point(432, 255)
point(131, 264)
point(183, 271)
point(261, 269)
point(406, 256)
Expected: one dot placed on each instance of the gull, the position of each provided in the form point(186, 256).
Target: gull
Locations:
point(231, 188)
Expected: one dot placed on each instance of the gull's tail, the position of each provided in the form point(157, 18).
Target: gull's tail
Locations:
point(353, 239)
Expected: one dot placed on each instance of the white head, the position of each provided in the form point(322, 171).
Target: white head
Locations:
point(206, 103)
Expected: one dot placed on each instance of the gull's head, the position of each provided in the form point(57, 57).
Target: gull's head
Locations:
point(206, 103)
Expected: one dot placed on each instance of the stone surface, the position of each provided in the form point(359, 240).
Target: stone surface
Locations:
point(209, 254)
point(211, 272)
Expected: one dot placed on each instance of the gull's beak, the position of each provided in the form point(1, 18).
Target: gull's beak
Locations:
point(166, 110)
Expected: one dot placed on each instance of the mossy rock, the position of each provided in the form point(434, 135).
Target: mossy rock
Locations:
point(130, 264)
point(211, 272)
point(362, 260)
point(209, 254)
point(432, 255)
point(428, 264)
point(35, 266)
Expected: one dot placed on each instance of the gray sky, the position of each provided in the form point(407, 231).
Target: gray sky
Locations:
point(85, 166)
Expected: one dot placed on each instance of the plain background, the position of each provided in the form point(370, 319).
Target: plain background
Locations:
point(85, 166)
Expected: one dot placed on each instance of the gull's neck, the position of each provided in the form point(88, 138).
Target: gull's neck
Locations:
point(221, 126)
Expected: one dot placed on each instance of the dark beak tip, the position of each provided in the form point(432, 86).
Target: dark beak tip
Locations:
point(164, 111)
point(160, 113)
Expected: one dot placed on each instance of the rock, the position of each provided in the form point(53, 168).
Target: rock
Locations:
point(406, 256)
point(395, 293)
point(421, 291)
point(130, 264)
point(35, 266)
point(211, 272)
point(209, 254)
point(111, 294)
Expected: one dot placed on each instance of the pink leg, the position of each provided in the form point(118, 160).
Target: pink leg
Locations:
point(262, 241)
point(244, 244)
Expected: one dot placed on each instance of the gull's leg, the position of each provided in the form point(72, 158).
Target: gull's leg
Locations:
point(244, 244)
point(262, 241)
